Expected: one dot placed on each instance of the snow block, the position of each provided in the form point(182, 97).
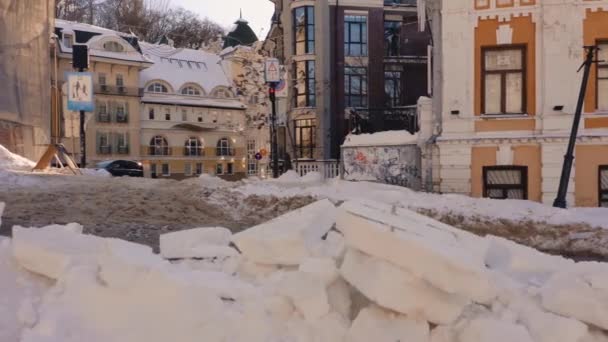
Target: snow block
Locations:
point(486, 329)
point(548, 327)
point(394, 288)
point(324, 269)
point(375, 324)
point(450, 259)
point(307, 293)
point(288, 239)
point(51, 252)
point(197, 243)
point(580, 294)
point(332, 247)
point(2, 206)
point(339, 298)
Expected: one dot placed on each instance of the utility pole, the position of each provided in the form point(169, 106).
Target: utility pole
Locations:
point(274, 148)
point(560, 200)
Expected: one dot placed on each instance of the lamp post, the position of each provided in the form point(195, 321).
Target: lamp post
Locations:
point(273, 77)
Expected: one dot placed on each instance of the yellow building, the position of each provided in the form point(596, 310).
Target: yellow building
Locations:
point(191, 122)
point(112, 131)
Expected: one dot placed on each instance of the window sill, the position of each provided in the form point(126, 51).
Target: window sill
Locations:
point(505, 116)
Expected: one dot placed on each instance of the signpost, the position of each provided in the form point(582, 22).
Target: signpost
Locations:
point(272, 74)
point(80, 92)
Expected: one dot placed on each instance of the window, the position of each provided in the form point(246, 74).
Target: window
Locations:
point(304, 30)
point(122, 114)
point(113, 47)
point(505, 182)
point(305, 138)
point(223, 148)
point(159, 146)
point(230, 168)
point(355, 87)
point(355, 35)
point(392, 88)
point(157, 88)
point(222, 93)
point(167, 114)
point(165, 170)
point(120, 82)
point(122, 143)
point(219, 169)
point(102, 112)
point(200, 118)
point(68, 40)
point(504, 80)
point(603, 186)
point(252, 163)
point(103, 143)
point(199, 169)
point(304, 78)
point(102, 79)
point(193, 147)
point(602, 77)
point(188, 169)
point(184, 115)
point(153, 172)
point(392, 34)
point(190, 91)
point(151, 114)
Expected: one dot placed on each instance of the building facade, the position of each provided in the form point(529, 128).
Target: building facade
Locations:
point(352, 65)
point(506, 90)
point(115, 59)
point(191, 121)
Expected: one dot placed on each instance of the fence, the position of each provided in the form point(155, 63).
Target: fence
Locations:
point(327, 168)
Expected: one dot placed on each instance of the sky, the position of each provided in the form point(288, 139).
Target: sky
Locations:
point(226, 12)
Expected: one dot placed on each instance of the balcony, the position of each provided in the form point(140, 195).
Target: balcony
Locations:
point(194, 152)
point(372, 120)
point(400, 2)
point(105, 89)
point(104, 149)
point(103, 117)
point(122, 150)
point(158, 150)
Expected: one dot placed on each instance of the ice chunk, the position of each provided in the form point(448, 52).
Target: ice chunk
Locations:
point(307, 293)
point(449, 259)
point(485, 329)
point(324, 269)
point(2, 206)
point(329, 328)
point(288, 239)
point(575, 294)
point(375, 324)
point(547, 327)
point(339, 297)
point(197, 243)
point(51, 251)
point(332, 247)
point(393, 288)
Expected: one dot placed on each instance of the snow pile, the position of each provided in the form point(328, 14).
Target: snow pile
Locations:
point(95, 173)
point(388, 138)
point(364, 271)
point(14, 162)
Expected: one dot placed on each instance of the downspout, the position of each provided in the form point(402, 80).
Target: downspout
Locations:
point(336, 119)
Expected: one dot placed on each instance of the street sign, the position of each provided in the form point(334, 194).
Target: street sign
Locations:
point(272, 70)
point(258, 156)
point(80, 91)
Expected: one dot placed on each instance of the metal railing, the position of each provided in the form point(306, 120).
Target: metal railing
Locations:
point(194, 152)
point(116, 90)
point(372, 120)
point(159, 150)
point(400, 2)
point(327, 168)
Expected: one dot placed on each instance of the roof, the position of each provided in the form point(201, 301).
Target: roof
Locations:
point(193, 101)
point(240, 34)
point(178, 66)
point(94, 37)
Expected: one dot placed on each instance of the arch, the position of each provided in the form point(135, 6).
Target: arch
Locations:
point(222, 92)
point(113, 46)
point(159, 146)
point(224, 147)
point(192, 89)
point(193, 147)
point(158, 86)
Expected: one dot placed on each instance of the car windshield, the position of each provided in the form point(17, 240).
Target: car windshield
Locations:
point(104, 164)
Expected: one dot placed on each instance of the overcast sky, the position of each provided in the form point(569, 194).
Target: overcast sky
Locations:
point(226, 12)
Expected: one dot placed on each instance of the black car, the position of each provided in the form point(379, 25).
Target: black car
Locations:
point(119, 168)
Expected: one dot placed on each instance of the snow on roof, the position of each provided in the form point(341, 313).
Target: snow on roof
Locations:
point(193, 101)
point(178, 66)
point(389, 138)
point(74, 26)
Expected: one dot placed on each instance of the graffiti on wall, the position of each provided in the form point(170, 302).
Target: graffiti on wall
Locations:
point(399, 165)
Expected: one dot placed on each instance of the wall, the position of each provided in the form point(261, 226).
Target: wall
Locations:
point(588, 159)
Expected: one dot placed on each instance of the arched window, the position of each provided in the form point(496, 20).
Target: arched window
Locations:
point(222, 93)
point(191, 91)
point(113, 47)
point(224, 148)
point(159, 146)
point(157, 88)
point(193, 147)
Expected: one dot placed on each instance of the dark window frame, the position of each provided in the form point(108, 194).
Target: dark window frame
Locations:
point(159, 146)
point(300, 127)
point(503, 73)
point(308, 25)
point(392, 28)
point(224, 150)
point(600, 66)
point(309, 95)
point(602, 191)
point(193, 147)
point(397, 98)
point(350, 93)
point(505, 187)
point(350, 38)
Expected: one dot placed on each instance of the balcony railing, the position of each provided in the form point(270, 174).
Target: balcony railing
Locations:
point(371, 120)
point(194, 152)
point(104, 149)
point(122, 150)
point(104, 117)
point(224, 152)
point(400, 2)
point(116, 90)
point(159, 150)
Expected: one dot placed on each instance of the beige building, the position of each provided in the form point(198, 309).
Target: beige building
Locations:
point(112, 131)
point(191, 121)
point(506, 87)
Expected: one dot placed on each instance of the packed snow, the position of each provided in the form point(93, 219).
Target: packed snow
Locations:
point(13, 162)
point(388, 138)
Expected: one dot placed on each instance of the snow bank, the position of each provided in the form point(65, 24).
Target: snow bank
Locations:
point(14, 162)
point(197, 243)
point(389, 138)
point(95, 173)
